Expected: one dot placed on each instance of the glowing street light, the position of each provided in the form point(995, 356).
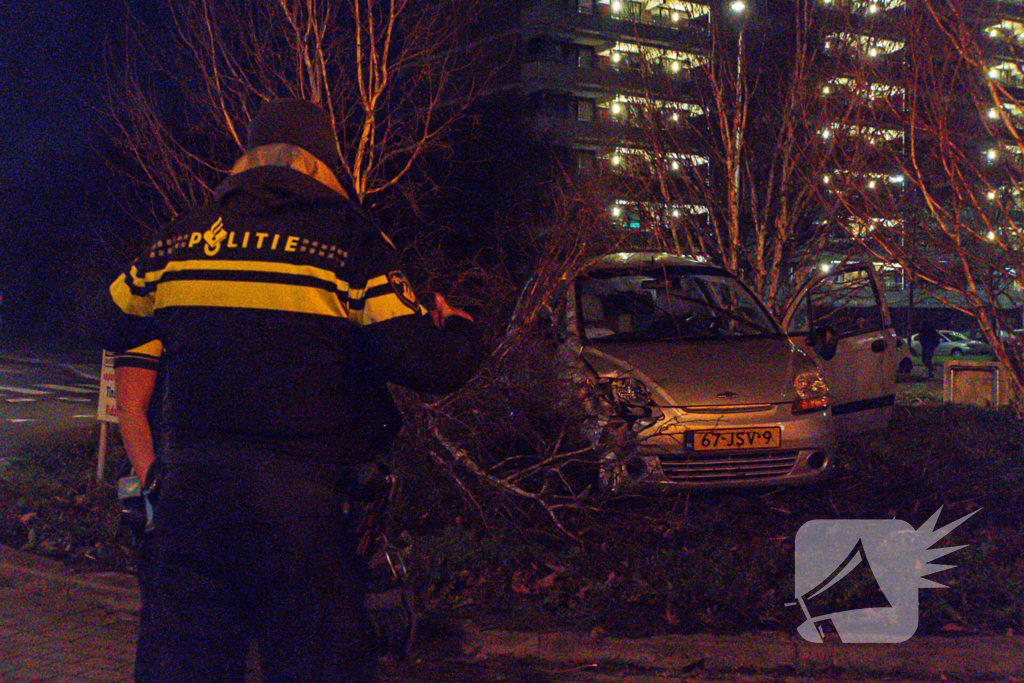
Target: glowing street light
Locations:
point(825, 267)
point(992, 154)
point(738, 7)
point(991, 195)
point(616, 211)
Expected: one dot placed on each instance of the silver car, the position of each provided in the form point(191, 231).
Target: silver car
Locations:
point(692, 381)
point(953, 343)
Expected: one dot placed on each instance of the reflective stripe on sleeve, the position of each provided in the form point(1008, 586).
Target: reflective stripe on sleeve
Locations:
point(129, 301)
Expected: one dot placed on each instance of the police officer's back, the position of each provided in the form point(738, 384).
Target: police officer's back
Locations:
point(282, 311)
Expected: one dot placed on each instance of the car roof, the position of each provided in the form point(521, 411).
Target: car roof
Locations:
point(646, 259)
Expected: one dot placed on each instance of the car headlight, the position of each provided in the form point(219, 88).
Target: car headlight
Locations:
point(630, 391)
point(811, 391)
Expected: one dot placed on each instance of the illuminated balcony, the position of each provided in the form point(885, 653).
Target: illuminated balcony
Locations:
point(872, 135)
point(865, 47)
point(865, 93)
point(1006, 31)
point(865, 8)
point(633, 110)
point(1006, 73)
point(633, 160)
point(631, 56)
point(672, 14)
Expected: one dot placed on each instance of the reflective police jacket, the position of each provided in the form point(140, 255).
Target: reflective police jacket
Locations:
point(282, 311)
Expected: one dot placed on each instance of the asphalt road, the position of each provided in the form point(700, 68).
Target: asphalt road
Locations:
point(39, 399)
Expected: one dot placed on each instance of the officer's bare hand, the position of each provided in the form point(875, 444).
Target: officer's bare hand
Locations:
point(442, 311)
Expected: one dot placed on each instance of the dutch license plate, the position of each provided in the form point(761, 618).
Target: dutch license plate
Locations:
point(739, 438)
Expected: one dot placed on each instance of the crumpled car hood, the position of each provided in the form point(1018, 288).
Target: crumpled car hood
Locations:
point(705, 373)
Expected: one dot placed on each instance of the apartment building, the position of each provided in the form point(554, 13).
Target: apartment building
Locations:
point(598, 76)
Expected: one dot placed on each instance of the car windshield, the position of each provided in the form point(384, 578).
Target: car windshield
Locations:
point(667, 303)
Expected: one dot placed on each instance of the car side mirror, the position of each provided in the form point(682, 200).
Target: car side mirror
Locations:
point(824, 341)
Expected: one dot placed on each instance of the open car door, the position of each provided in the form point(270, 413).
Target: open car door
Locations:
point(842, 320)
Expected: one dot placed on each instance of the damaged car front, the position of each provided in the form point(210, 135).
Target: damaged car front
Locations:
point(689, 381)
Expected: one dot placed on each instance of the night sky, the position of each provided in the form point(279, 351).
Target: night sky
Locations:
point(57, 216)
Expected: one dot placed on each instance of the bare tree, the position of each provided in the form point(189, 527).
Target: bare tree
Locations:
point(736, 153)
point(394, 75)
point(956, 227)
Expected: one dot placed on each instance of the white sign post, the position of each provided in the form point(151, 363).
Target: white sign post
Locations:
point(106, 410)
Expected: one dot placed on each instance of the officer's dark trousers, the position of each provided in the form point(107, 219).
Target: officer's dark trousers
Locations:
point(250, 548)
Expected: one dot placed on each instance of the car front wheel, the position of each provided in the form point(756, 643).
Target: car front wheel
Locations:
point(906, 366)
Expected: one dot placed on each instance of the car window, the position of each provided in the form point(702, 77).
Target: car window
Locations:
point(668, 302)
point(845, 303)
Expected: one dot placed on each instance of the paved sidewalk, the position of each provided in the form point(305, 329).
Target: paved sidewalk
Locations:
point(51, 631)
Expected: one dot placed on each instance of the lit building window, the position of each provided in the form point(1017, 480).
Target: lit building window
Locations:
point(1009, 73)
point(866, 45)
point(871, 134)
point(1012, 111)
point(1006, 30)
point(632, 55)
point(655, 12)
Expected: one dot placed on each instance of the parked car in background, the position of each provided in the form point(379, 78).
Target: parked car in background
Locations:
point(1007, 336)
point(953, 343)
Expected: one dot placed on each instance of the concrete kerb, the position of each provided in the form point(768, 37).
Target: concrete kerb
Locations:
point(918, 657)
point(79, 370)
point(112, 590)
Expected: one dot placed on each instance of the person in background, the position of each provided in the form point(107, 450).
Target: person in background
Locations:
point(929, 339)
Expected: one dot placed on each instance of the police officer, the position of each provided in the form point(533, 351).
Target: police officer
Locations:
point(282, 311)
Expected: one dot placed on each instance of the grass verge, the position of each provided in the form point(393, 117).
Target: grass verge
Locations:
point(693, 562)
